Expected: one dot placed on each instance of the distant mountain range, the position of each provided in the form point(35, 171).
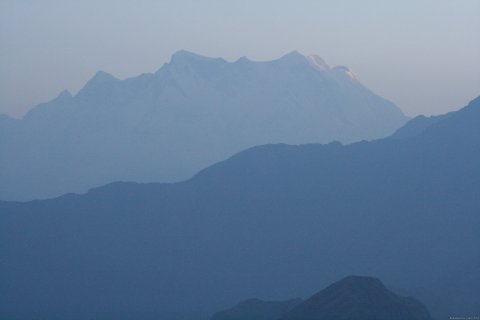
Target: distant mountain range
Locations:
point(352, 298)
point(194, 111)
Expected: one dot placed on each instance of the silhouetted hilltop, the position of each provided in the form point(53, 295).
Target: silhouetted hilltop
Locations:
point(358, 298)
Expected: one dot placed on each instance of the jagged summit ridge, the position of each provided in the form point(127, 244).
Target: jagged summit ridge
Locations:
point(184, 56)
point(102, 76)
point(292, 58)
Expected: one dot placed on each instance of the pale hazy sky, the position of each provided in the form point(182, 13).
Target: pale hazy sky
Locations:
point(424, 55)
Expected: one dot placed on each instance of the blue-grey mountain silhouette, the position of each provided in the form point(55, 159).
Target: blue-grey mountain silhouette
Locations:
point(352, 298)
point(194, 111)
point(358, 298)
point(273, 221)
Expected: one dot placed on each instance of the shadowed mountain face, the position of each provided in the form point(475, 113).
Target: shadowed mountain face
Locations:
point(273, 221)
point(358, 298)
point(255, 309)
point(194, 111)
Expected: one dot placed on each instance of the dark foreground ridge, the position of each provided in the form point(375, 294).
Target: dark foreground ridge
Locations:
point(358, 298)
point(352, 298)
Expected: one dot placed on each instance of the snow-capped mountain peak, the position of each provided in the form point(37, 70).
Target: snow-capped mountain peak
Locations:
point(317, 62)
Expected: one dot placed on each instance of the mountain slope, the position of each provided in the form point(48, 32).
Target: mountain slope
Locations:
point(358, 298)
point(194, 111)
point(456, 291)
point(272, 221)
point(416, 126)
point(255, 309)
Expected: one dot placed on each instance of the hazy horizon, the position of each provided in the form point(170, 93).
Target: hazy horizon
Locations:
point(421, 55)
